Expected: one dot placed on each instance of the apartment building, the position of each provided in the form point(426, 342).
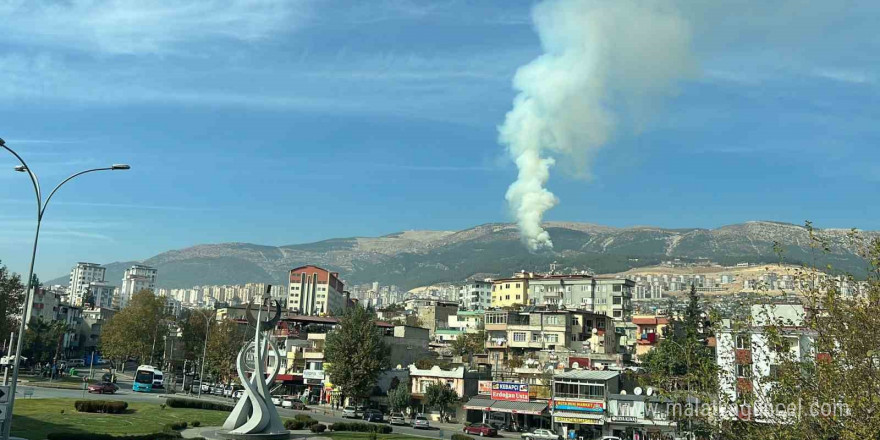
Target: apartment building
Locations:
point(475, 295)
point(436, 316)
point(81, 277)
point(526, 333)
point(93, 320)
point(511, 292)
point(316, 291)
point(580, 401)
point(135, 279)
point(748, 360)
point(100, 294)
point(649, 331)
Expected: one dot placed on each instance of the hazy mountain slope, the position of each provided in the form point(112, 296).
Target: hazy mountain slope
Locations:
point(414, 258)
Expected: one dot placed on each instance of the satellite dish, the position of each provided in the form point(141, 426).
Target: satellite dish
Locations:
point(637, 391)
point(575, 365)
point(623, 392)
point(650, 391)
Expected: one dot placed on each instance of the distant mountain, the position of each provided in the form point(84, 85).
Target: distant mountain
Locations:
point(415, 258)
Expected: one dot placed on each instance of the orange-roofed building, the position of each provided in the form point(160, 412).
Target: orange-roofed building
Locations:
point(649, 331)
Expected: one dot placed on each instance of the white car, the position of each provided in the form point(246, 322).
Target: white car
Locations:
point(276, 400)
point(541, 434)
point(237, 394)
point(421, 422)
point(349, 412)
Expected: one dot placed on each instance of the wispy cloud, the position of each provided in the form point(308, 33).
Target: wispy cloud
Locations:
point(146, 26)
point(845, 76)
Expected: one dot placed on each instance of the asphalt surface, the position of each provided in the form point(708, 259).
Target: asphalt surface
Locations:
point(319, 413)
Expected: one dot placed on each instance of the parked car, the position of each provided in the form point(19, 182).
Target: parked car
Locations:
point(291, 402)
point(482, 430)
point(276, 400)
point(397, 419)
point(71, 363)
point(103, 388)
point(541, 434)
point(374, 416)
point(237, 394)
point(349, 412)
point(420, 422)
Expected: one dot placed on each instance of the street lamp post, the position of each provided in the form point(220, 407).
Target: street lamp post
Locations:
point(41, 209)
point(204, 352)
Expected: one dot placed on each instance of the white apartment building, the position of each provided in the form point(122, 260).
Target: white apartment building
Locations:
point(475, 295)
point(748, 361)
point(100, 294)
point(609, 296)
point(135, 279)
point(81, 276)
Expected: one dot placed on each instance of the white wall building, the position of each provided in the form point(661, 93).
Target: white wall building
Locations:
point(135, 279)
point(475, 295)
point(81, 276)
point(100, 294)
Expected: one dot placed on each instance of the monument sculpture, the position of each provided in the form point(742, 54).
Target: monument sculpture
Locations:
point(254, 416)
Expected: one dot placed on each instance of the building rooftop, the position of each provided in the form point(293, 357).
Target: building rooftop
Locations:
point(588, 375)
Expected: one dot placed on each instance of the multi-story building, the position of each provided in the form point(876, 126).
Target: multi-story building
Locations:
point(748, 358)
point(475, 295)
point(93, 320)
point(81, 276)
point(135, 279)
point(649, 332)
point(316, 291)
point(100, 294)
point(580, 401)
point(511, 292)
point(436, 316)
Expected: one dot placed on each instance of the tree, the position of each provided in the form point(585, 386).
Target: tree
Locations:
point(11, 298)
point(356, 353)
point(440, 396)
point(469, 343)
point(192, 326)
point(224, 342)
point(399, 397)
point(39, 341)
point(131, 333)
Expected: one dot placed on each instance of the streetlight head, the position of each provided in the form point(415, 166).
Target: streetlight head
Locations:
point(2, 142)
point(120, 166)
point(20, 168)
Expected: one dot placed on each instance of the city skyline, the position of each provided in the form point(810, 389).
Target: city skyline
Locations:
point(389, 114)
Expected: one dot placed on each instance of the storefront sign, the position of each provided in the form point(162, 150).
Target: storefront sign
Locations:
point(577, 421)
point(485, 387)
point(510, 391)
point(625, 419)
point(574, 405)
point(313, 374)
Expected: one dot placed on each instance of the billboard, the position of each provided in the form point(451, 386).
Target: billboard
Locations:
point(485, 387)
point(579, 406)
point(511, 391)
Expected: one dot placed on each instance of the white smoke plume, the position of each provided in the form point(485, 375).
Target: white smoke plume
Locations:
point(604, 62)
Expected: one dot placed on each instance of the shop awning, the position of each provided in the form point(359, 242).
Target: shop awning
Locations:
point(479, 403)
point(534, 408)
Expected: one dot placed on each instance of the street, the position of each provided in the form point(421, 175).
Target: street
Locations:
point(322, 414)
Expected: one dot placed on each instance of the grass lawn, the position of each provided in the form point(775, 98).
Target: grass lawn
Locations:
point(35, 418)
point(366, 436)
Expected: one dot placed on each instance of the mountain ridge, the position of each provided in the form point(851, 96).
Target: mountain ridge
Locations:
point(418, 257)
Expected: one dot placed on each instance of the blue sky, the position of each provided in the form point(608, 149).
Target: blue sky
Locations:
point(239, 116)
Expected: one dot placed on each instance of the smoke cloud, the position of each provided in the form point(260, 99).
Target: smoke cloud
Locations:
point(605, 64)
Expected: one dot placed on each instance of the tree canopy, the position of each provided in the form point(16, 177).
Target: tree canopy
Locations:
point(440, 396)
point(356, 354)
point(11, 299)
point(132, 331)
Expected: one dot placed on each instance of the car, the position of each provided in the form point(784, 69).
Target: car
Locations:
point(374, 416)
point(480, 429)
point(75, 363)
point(397, 419)
point(237, 394)
point(420, 422)
point(276, 400)
point(349, 412)
point(541, 434)
point(103, 388)
point(291, 402)
point(610, 437)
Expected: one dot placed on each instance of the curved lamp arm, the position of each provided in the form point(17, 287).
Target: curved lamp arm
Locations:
point(110, 168)
point(34, 180)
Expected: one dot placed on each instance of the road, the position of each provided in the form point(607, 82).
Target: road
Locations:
point(321, 414)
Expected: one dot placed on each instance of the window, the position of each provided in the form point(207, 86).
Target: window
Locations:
point(743, 342)
point(774, 372)
point(743, 370)
point(553, 320)
point(518, 297)
point(618, 313)
point(506, 296)
point(575, 320)
point(519, 337)
point(507, 286)
point(551, 338)
point(517, 285)
point(616, 288)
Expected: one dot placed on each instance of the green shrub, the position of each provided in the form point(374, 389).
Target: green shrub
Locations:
point(101, 406)
point(196, 423)
point(361, 427)
point(461, 437)
point(173, 435)
point(176, 426)
point(318, 428)
point(305, 418)
point(176, 402)
point(293, 425)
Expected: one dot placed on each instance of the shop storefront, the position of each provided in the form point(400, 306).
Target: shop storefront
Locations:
point(579, 419)
point(507, 414)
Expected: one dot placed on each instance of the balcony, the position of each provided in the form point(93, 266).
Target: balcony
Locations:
point(313, 354)
point(496, 344)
